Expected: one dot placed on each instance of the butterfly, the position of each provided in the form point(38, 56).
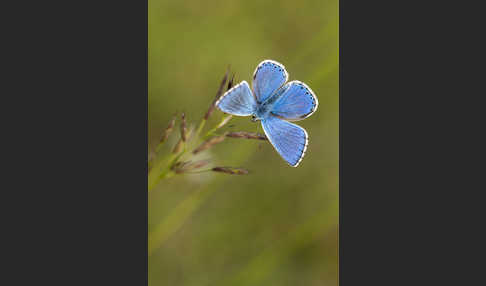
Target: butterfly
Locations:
point(274, 103)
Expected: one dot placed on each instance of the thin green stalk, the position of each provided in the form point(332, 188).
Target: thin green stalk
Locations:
point(159, 172)
point(211, 132)
point(201, 126)
point(177, 217)
point(182, 212)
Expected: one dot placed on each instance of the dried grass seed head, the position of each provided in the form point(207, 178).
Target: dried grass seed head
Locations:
point(218, 95)
point(231, 170)
point(209, 143)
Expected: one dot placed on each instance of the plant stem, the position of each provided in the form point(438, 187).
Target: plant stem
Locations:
point(178, 216)
point(201, 126)
point(211, 132)
point(158, 173)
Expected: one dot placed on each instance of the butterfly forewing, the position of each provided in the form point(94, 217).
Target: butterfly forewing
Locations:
point(267, 78)
point(288, 139)
point(238, 100)
point(296, 102)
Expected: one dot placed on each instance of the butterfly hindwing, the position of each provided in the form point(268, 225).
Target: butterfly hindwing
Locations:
point(296, 101)
point(289, 140)
point(238, 100)
point(268, 77)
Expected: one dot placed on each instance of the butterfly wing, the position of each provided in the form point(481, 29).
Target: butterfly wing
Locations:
point(289, 140)
point(238, 100)
point(296, 102)
point(267, 78)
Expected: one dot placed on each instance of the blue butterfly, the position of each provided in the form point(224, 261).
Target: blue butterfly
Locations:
point(274, 103)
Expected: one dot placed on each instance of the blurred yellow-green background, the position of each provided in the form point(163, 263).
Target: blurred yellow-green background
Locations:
point(278, 225)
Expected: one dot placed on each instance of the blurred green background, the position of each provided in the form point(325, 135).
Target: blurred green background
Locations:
point(277, 225)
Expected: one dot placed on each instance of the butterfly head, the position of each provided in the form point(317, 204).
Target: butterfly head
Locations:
point(254, 118)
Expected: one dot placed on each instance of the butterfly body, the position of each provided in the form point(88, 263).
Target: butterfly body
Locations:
point(264, 109)
point(274, 102)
